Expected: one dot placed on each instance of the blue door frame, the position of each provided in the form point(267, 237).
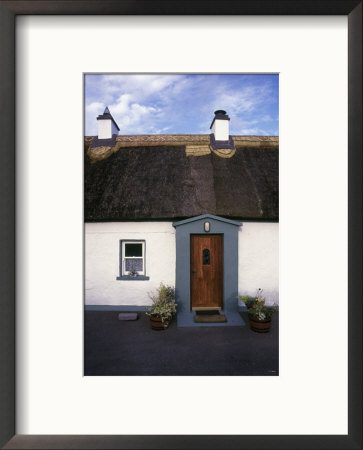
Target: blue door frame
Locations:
point(217, 225)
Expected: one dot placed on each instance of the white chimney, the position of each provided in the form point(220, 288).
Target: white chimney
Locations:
point(220, 125)
point(107, 127)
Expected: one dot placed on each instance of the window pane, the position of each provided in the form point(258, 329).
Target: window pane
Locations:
point(206, 257)
point(134, 264)
point(133, 250)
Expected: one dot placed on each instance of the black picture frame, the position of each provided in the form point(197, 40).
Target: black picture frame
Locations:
point(8, 12)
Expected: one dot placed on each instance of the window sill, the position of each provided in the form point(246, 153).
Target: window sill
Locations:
point(138, 278)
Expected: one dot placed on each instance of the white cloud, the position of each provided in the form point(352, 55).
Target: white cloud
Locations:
point(143, 103)
point(140, 86)
point(95, 107)
point(91, 112)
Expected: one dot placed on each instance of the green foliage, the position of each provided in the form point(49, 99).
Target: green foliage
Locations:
point(259, 311)
point(247, 300)
point(257, 307)
point(164, 305)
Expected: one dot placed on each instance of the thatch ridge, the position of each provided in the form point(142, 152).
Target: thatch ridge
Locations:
point(190, 141)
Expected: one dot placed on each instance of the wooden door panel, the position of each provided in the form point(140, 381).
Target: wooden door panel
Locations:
point(206, 271)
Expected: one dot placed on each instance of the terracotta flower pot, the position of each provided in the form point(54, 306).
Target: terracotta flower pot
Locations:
point(261, 326)
point(157, 324)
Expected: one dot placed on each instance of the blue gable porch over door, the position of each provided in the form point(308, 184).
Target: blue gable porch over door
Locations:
point(217, 225)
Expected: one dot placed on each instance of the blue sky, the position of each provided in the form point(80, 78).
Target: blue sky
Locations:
point(173, 104)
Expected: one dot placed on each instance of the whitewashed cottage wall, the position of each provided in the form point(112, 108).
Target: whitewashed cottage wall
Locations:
point(102, 256)
point(258, 261)
point(258, 252)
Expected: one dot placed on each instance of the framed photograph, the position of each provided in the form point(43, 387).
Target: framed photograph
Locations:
point(139, 155)
point(181, 224)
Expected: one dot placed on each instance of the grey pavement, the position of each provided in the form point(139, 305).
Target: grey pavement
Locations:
point(114, 347)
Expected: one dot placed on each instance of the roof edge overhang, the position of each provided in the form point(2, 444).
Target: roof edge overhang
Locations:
point(172, 219)
point(207, 216)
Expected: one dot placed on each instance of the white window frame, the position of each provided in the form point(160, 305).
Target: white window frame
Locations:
point(124, 271)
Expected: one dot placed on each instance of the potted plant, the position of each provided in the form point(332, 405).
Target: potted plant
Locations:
point(247, 300)
point(259, 313)
point(133, 273)
point(163, 307)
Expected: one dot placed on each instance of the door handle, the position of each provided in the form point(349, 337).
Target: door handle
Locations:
point(194, 271)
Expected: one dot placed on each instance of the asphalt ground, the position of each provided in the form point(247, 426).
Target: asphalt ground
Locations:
point(114, 347)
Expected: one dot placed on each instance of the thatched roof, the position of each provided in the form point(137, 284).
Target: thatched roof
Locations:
point(170, 177)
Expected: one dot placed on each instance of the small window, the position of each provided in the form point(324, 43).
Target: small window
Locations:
point(132, 261)
point(133, 258)
point(206, 257)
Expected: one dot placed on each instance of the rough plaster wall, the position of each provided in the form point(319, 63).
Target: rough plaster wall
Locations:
point(259, 260)
point(102, 261)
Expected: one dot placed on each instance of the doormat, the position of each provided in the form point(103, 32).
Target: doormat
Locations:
point(210, 318)
point(186, 319)
point(209, 312)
